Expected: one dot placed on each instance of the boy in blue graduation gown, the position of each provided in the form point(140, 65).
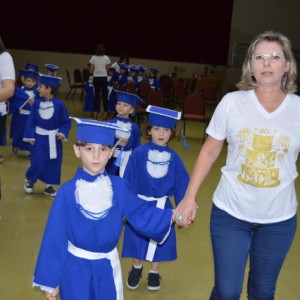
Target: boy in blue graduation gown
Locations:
point(19, 108)
point(78, 256)
point(153, 79)
point(48, 125)
point(51, 69)
point(127, 141)
point(155, 173)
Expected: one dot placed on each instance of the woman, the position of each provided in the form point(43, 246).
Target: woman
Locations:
point(255, 203)
point(100, 63)
point(7, 88)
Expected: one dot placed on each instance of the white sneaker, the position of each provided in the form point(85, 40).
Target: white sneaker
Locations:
point(28, 186)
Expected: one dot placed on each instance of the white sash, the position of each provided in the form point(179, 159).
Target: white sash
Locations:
point(152, 244)
point(124, 160)
point(52, 139)
point(112, 256)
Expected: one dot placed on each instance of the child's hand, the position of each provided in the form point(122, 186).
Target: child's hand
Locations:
point(30, 101)
point(52, 295)
point(123, 142)
point(60, 136)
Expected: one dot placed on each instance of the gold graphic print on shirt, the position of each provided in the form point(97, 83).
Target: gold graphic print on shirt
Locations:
point(261, 150)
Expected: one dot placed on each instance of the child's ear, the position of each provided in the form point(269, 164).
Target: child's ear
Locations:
point(76, 151)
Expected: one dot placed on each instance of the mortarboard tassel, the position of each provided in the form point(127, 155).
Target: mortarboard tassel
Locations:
point(186, 145)
point(118, 160)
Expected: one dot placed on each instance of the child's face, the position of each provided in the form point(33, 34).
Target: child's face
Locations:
point(44, 91)
point(160, 135)
point(124, 109)
point(94, 157)
point(29, 82)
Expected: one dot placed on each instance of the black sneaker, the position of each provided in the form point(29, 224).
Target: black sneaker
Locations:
point(134, 277)
point(153, 281)
point(50, 191)
point(28, 186)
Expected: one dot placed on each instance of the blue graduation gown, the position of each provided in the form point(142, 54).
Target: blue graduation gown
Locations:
point(171, 180)
point(42, 167)
point(83, 279)
point(134, 141)
point(20, 109)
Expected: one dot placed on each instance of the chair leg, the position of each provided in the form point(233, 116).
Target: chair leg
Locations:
point(69, 93)
point(180, 128)
point(74, 93)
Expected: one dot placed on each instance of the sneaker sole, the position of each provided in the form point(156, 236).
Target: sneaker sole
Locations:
point(28, 190)
point(48, 194)
point(153, 288)
point(132, 287)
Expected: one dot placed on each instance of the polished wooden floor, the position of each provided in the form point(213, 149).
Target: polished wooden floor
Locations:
point(190, 277)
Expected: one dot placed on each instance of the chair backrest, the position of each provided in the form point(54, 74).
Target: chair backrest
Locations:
point(178, 90)
point(68, 77)
point(130, 87)
point(155, 97)
point(193, 85)
point(78, 77)
point(85, 74)
point(166, 84)
point(194, 104)
point(209, 93)
point(144, 88)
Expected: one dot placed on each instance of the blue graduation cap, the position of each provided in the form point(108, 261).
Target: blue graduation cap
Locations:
point(129, 98)
point(29, 74)
point(133, 68)
point(96, 132)
point(49, 80)
point(111, 69)
point(142, 68)
point(154, 71)
point(51, 67)
point(31, 67)
point(21, 72)
point(123, 66)
point(162, 117)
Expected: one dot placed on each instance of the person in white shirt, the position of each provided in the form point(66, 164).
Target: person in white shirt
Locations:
point(255, 202)
point(7, 88)
point(100, 64)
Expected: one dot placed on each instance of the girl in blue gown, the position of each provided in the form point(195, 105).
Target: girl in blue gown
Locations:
point(155, 173)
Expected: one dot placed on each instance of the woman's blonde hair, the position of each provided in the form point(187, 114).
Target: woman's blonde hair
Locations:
point(288, 81)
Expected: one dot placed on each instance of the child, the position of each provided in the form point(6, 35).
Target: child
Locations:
point(78, 256)
point(51, 69)
point(48, 125)
point(89, 93)
point(155, 173)
point(19, 108)
point(111, 79)
point(123, 74)
point(153, 79)
point(133, 75)
point(128, 141)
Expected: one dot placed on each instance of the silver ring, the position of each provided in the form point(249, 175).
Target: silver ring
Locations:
point(179, 218)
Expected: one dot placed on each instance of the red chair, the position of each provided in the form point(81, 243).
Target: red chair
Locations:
point(193, 110)
point(144, 88)
point(178, 94)
point(78, 82)
point(166, 85)
point(209, 93)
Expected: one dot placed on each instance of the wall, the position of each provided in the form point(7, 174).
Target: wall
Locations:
point(250, 17)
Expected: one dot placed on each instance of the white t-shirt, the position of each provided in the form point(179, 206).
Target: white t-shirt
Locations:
point(100, 62)
point(257, 182)
point(7, 71)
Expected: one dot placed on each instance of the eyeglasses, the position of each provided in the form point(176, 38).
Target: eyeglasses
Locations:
point(273, 57)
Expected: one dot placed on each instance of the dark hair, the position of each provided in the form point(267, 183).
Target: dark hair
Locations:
point(2, 46)
point(83, 144)
point(124, 57)
point(100, 50)
point(147, 134)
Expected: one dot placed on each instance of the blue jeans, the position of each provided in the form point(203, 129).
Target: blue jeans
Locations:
point(233, 241)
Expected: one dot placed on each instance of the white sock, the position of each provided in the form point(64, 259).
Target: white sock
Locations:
point(138, 267)
point(155, 272)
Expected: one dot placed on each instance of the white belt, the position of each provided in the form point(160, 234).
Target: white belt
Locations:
point(112, 256)
point(152, 244)
point(124, 160)
point(52, 139)
point(24, 112)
